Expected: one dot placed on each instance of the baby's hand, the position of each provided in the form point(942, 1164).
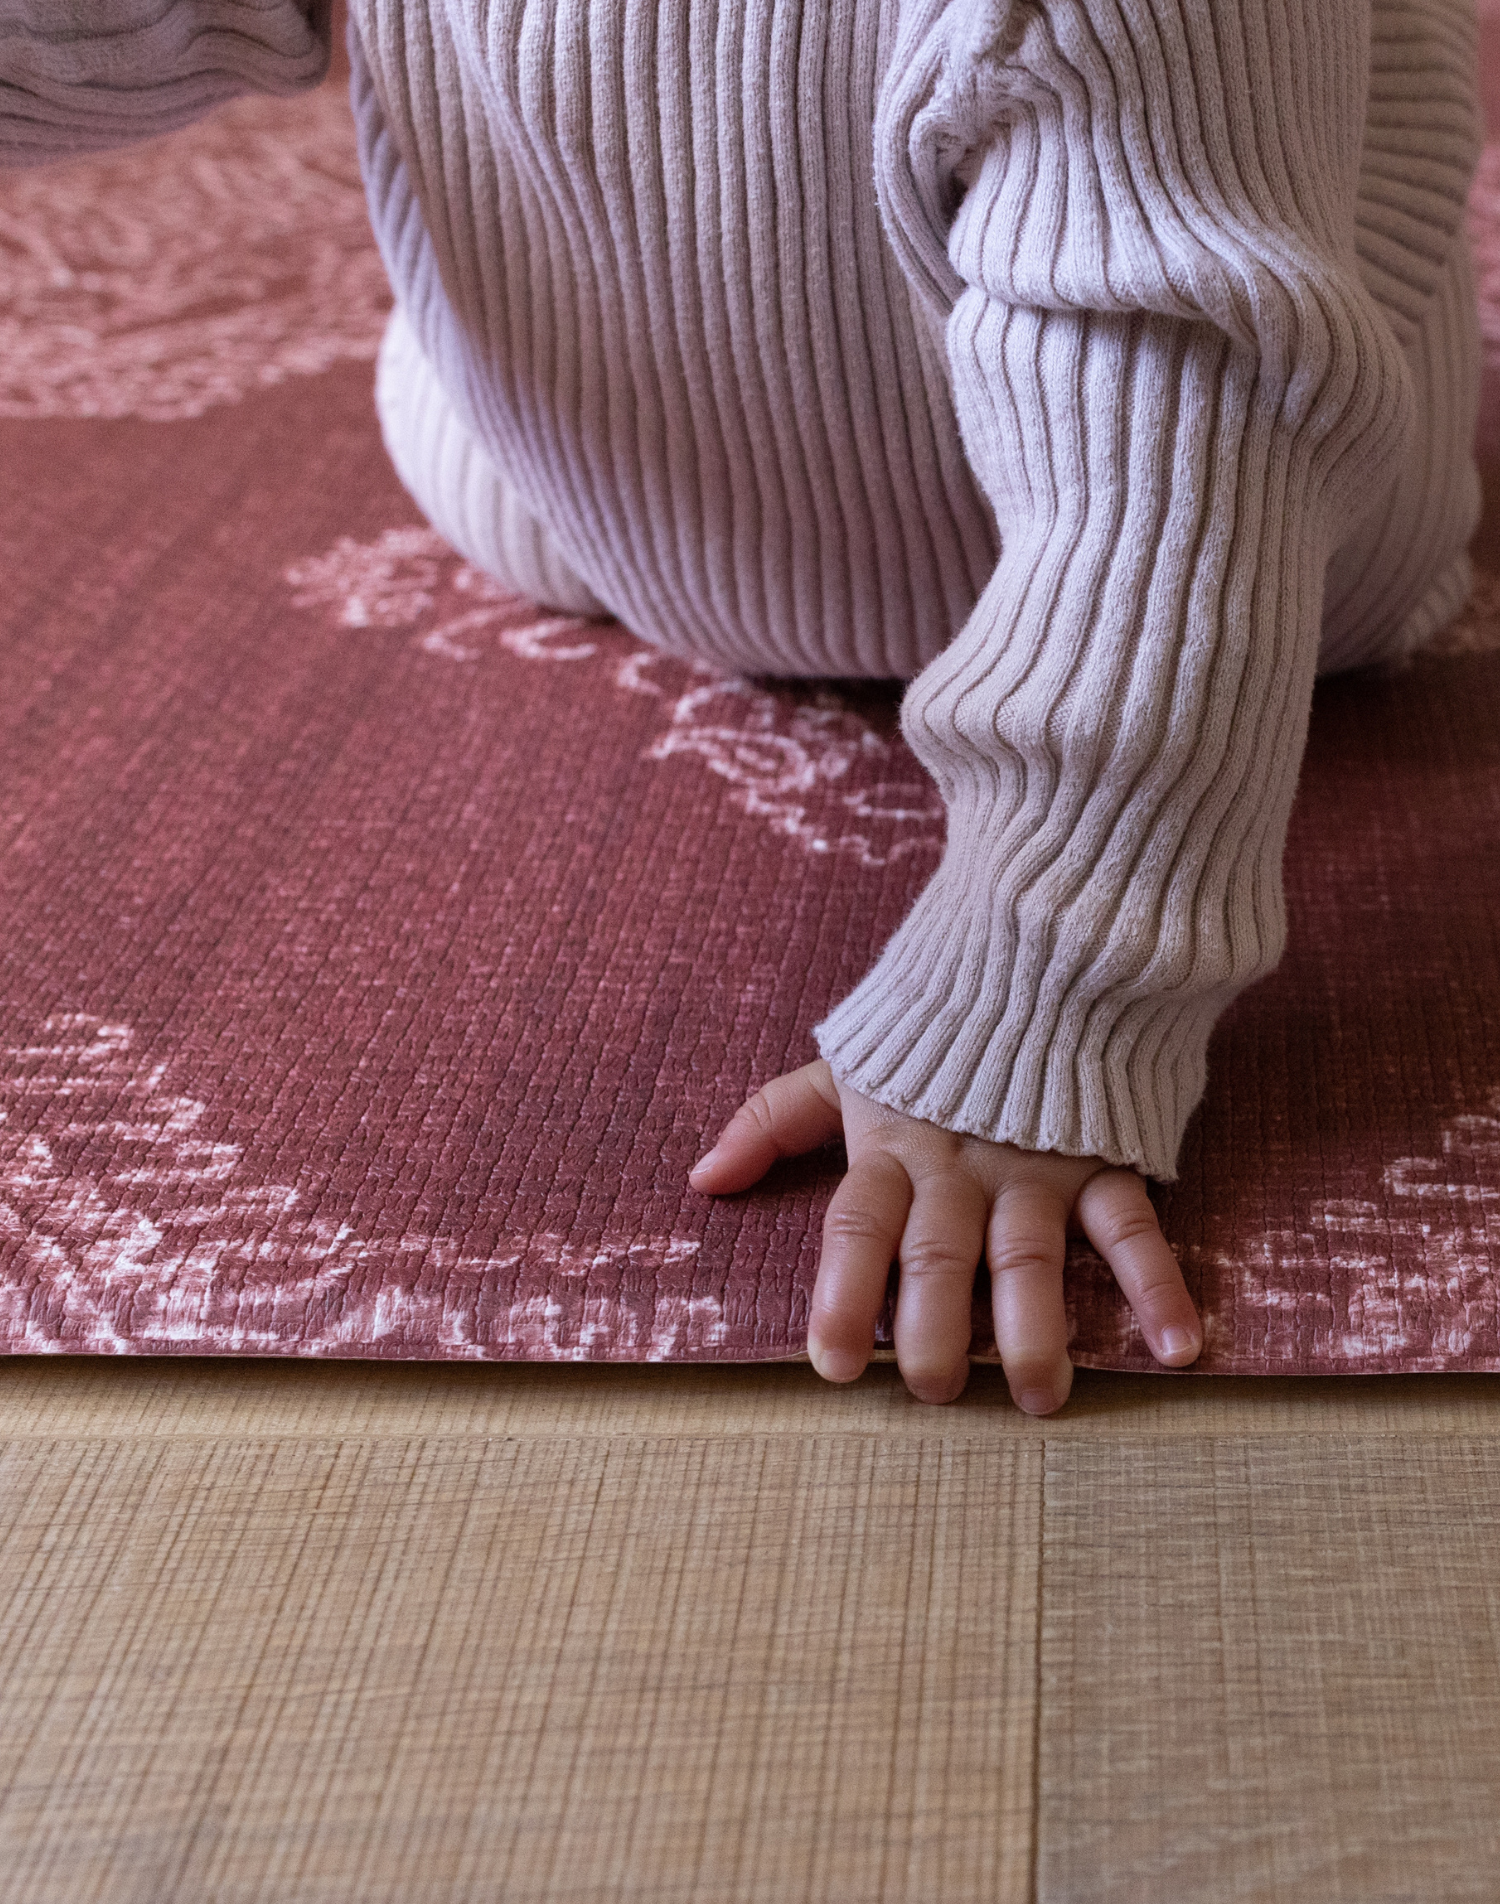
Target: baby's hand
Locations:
point(935, 1199)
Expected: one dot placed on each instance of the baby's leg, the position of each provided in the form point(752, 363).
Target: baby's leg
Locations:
point(459, 490)
point(1405, 573)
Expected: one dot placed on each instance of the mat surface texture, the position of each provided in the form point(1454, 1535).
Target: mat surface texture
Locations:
point(379, 952)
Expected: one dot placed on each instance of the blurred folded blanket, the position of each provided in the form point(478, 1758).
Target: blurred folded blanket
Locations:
point(379, 951)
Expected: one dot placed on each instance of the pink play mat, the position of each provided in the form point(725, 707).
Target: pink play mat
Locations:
point(379, 952)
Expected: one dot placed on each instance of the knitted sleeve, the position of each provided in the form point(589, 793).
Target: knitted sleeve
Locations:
point(1138, 218)
point(92, 74)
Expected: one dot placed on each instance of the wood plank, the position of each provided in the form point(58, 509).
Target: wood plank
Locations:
point(1270, 1669)
point(56, 1397)
point(764, 1668)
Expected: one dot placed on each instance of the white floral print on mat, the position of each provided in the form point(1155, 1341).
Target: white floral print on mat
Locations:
point(1405, 1277)
point(801, 759)
point(1476, 629)
point(124, 1229)
point(192, 270)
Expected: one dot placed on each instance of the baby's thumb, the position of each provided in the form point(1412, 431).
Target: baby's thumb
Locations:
point(792, 1114)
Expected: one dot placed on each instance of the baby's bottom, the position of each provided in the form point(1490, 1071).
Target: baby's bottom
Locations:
point(1394, 584)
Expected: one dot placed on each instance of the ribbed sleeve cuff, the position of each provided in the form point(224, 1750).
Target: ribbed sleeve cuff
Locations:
point(1116, 734)
point(947, 1028)
point(104, 73)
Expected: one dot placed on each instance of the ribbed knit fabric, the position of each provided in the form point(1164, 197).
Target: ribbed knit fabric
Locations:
point(1061, 354)
point(464, 496)
point(92, 74)
point(641, 248)
point(1180, 397)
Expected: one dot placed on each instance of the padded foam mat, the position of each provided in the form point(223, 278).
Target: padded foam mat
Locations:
point(379, 952)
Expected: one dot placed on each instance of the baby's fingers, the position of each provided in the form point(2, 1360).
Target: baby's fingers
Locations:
point(786, 1117)
point(1118, 1219)
point(940, 1250)
point(1025, 1247)
point(861, 1236)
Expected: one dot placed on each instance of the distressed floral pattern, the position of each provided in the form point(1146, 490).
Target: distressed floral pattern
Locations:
point(136, 1214)
point(805, 761)
point(1476, 629)
point(130, 1230)
point(1404, 1278)
point(189, 272)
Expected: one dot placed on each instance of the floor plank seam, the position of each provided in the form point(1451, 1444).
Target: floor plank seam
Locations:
point(1036, 1702)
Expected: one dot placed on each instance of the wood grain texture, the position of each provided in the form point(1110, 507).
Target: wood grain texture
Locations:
point(773, 1667)
point(1270, 1670)
point(62, 1397)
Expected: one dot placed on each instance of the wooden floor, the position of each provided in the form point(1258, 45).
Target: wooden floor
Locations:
point(301, 1632)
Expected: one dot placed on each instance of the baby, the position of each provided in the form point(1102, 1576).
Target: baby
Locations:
point(1106, 369)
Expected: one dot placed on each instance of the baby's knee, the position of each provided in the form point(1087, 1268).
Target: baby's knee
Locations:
point(456, 485)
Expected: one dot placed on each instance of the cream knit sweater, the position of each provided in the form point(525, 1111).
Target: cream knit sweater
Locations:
point(1104, 367)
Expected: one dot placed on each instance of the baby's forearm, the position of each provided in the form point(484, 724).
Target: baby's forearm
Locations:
point(1179, 395)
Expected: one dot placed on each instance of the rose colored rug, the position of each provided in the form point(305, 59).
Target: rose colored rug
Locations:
point(378, 954)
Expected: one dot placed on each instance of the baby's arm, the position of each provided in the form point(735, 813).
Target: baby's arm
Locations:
point(1178, 395)
point(103, 73)
point(1138, 220)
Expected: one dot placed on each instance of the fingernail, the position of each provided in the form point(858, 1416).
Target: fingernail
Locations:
point(1038, 1401)
point(938, 1395)
point(708, 1157)
point(1178, 1342)
point(836, 1365)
